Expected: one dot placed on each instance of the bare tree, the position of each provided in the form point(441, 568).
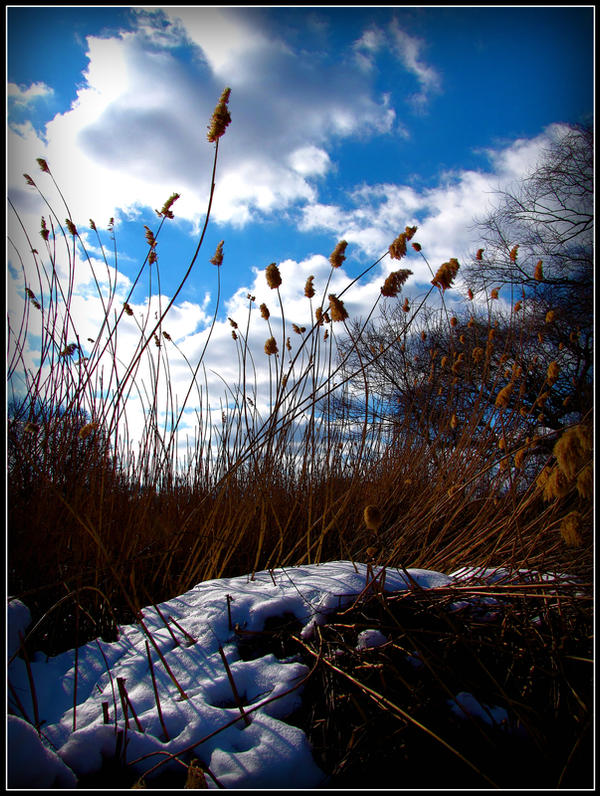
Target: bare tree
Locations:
point(537, 250)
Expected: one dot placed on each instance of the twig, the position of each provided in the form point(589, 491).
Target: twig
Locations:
point(384, 702)
point(160, 715)
point(125, 701)
point(36, 715)
point(236, 696)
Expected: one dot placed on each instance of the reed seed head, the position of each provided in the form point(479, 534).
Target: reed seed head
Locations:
point(337, 309)
point(553, 372)
point(86, 430)
point(166, 208)
point(585, 482)
point(271, 346)
point(479, 255)
point(570, 529)
point(446, 274)
point(273, 276)
point(43, 165)
point(372, 517)
point(393, 284)
point(513, 254)
point(264, 311)
point(150, 236)
point(503, 397)
point(309, 290)
point(336, 258)
point(406, 306)
point(398, 247)
point(217, 258)
point(520, 458)
point(68, 350)
point(572, 450)
point(557, 486)
point(457, 363)
point(221, 117)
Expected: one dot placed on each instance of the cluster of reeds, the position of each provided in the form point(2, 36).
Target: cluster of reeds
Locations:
point(469, 686)
point(451, 459)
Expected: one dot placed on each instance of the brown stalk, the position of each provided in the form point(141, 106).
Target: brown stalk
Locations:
point(126, 702)
point(36, 715)
point(385, 703)
point(156, 697)
point(234, 690)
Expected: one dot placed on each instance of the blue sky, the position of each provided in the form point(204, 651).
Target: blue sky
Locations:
point(347, 122)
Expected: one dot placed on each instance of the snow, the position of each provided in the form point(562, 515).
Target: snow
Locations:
point(370, 638)
point(200, 715)
point(465, 703)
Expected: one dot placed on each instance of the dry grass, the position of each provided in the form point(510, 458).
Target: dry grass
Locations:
point(382, 718)
point(117, 524)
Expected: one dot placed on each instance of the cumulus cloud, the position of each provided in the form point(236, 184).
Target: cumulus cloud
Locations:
point(137, 130)
point(25, 95)
point(444, 213)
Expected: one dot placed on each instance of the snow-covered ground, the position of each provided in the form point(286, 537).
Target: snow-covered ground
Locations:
point(80, 699)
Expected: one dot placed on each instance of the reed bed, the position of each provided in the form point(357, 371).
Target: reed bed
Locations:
point(116, 519)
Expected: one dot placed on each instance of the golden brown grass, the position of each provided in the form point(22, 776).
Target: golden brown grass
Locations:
point(456, 482)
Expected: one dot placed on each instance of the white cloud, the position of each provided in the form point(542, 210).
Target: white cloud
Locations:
point(228, 39)
point(409, 49)
point(308, 160)
point(25, 95)
point(137, 130)
point(444, 214)
point(367, 46)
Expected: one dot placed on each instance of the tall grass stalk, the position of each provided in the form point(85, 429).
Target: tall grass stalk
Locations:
point(269, 479)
